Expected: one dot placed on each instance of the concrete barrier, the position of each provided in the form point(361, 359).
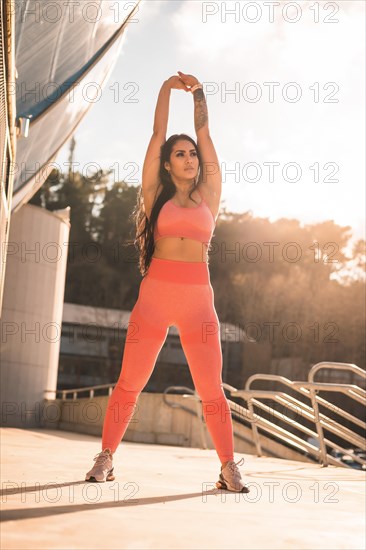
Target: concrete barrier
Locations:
point(155, 422)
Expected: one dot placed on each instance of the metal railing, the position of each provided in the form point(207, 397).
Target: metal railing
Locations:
point(189, 394)
point(193, 394)
point(76, 391)
point(309, 413)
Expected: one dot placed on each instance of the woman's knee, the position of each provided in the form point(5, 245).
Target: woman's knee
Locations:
point(211, 393)
point(133, 387)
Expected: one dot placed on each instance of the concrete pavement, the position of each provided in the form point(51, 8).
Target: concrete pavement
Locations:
point(164, 497)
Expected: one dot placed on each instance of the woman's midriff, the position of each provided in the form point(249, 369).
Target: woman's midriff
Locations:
point(183, 249)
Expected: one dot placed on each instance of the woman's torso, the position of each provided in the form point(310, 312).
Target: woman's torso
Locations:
point(184, 248)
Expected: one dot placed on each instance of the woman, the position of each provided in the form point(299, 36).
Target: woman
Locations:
point(176, 215)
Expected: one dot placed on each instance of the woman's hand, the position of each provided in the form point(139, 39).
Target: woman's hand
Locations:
point(188, 79)
point(176, 83)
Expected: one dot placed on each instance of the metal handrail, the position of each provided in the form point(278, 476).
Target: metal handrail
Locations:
point(310, 390)
point(76, 391)
point(189, 394)
point(284, 435)
point(333, 366)
point(233, 406)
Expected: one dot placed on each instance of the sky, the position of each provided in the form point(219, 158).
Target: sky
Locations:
point(285, 94)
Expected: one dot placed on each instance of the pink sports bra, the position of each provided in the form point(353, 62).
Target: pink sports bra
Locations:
point(179, 221)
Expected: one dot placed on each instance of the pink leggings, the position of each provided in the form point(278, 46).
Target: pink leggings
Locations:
point(173, 293)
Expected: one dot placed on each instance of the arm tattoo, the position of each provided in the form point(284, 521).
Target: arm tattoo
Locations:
point(200, 109)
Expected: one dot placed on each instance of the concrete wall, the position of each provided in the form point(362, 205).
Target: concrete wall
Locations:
point(32, 312)
point(154, 422)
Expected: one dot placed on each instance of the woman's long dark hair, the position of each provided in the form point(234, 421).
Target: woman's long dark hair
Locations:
point(144, 240)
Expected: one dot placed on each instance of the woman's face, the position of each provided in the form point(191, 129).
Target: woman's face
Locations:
point(184, 162)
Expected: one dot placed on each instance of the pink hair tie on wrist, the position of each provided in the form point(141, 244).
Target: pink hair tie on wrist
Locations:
point(195, 87)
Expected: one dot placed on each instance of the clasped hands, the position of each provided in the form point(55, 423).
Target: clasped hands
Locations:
point(182, 82)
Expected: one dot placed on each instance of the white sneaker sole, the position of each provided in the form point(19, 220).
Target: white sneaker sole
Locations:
point(221, 484)
point(110, 477)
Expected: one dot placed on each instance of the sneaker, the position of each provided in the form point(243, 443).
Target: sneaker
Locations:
point(230, 478)
point(103, 467)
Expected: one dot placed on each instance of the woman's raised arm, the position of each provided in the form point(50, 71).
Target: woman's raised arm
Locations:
point(150, 169)
point(210, 177)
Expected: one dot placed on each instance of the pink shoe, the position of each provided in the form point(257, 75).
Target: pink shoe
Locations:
point(230, 478)
point(103, 467)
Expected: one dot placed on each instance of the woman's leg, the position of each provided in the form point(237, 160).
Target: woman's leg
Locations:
point(200, 338)
point(146, 334)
